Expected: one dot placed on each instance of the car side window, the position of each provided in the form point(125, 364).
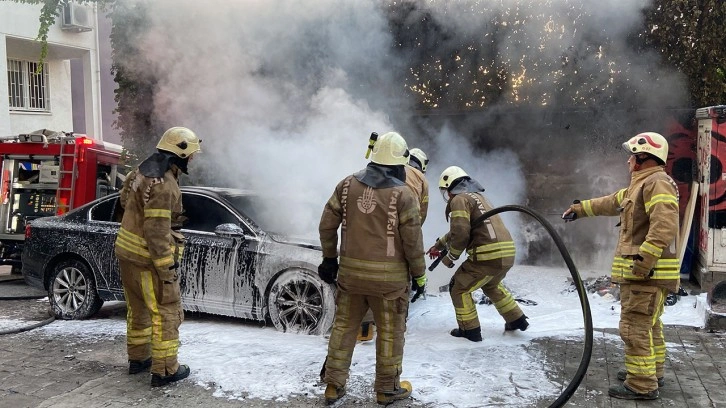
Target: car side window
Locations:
point(104, 211)
point(205, 214)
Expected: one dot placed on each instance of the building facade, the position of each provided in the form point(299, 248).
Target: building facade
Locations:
point(70, 81)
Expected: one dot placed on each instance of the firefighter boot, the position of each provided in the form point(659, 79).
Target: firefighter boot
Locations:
point(471, 334)
point(623, 392)
point(366, 331)
point(402, 392)
point(333, 394)
point(622, 374)
point(520, 324)
point(181, 373)
point(137, 366)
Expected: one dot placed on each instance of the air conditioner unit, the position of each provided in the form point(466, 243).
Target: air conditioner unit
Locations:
point(75, 18)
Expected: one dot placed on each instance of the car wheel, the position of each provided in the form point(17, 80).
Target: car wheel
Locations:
point(300, 302)
point(72, 291)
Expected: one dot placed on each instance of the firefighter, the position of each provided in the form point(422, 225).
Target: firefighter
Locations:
point(490, 252)
point(645, 264)
point(415, 179)
point(381, 251)
point(149, 249)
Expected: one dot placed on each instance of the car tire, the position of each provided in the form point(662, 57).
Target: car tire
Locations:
point(72, 291)
point(299, 302)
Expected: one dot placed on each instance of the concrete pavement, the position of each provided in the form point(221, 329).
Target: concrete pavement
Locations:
point(36, 371)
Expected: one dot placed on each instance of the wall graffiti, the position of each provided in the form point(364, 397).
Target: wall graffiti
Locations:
point(681, 164)
point(687, 160)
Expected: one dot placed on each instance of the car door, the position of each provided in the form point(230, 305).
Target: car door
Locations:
point(213, 264)
point(103, 226)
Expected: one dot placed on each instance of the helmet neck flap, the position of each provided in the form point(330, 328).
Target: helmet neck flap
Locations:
point(465, 185)
point(382, 176)
point(158, 163)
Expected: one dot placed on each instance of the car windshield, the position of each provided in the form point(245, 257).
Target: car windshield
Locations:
point(273, 215)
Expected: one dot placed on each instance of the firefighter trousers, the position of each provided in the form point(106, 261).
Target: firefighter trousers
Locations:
point(153, 316)
point(474, 275)
point(642, 332)
point(389, 316)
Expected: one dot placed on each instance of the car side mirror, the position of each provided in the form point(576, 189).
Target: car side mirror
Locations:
point(229, 230)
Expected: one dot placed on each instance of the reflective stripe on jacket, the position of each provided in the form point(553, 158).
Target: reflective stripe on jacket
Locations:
point(381, 244)
point(648, 211)
point(150, 205)
point(488, 241)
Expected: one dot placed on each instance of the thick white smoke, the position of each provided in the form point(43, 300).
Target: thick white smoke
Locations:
point(285, 93)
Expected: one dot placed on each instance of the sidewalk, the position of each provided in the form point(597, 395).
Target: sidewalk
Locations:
point(36, 371)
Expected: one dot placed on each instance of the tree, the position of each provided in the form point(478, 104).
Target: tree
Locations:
point(463, 74)
point(689, 36)
point(135, 93)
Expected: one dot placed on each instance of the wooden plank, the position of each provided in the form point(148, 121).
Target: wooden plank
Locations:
point(687, 222)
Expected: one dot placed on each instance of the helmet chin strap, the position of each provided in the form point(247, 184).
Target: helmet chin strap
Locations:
point(639, 160)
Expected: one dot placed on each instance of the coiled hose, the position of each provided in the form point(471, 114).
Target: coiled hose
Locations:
point(581, 292)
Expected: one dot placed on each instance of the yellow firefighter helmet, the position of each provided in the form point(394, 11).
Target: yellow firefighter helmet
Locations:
point(180, 141)
point(651, 143)
point(390, 149)
point(420, 157)
point(450, 175)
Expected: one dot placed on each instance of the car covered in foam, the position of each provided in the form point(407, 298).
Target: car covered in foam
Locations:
point(233, 263)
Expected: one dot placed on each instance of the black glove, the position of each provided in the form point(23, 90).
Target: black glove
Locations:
point(419, 285)
point(569, 217)
point(328, 270)
point(175, 266)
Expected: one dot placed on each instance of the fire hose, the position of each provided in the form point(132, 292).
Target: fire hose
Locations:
point(31, 326)
point(581, 292)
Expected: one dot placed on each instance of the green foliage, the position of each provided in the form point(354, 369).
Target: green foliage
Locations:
point(689, 36)
point(135, 93)
point(48, 15)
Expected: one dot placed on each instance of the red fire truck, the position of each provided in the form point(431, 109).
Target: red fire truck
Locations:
point(47, 173)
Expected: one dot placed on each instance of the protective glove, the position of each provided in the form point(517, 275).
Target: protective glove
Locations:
point(448, 260)
point(433, 252)
point(643, 267)
point(419, 285)
point(571, 213)
point(328, 270)
point(169, 275)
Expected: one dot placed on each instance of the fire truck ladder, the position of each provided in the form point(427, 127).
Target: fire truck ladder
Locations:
point(68, 150)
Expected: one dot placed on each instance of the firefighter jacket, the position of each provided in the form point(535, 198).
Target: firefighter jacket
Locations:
point(381, 243)
point(648, 211)
point(487, 241)
point(420, 186)
point(151, 205)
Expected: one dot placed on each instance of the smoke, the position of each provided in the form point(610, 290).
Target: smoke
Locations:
point(285, 93)
point(282, 93)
